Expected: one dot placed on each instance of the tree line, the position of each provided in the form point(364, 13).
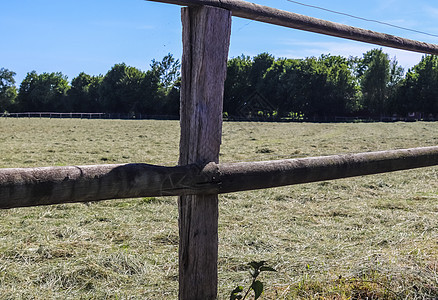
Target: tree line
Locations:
point(123, 89)
point(372, 85)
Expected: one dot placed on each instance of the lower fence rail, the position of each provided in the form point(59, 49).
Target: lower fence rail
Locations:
point(21, 187)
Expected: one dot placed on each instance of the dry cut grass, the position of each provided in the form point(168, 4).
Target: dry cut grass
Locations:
point(373, 237)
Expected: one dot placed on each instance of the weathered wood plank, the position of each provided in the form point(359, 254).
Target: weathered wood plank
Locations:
point(260, 175)
point(279, 17)
point(21, 187)
point(206, 38)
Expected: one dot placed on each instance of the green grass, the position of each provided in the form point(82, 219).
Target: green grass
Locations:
point(373, 236)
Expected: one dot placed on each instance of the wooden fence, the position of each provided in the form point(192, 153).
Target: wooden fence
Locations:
point(200, 177)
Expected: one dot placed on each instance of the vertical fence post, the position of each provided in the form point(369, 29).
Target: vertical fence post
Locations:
point(206, 38)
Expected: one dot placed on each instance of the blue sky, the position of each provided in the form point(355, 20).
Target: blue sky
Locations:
point(72, 36)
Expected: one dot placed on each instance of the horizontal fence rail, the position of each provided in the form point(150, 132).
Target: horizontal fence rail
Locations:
point(53, 115)
point(83, 115)
point(20, 187)
point(283, 18)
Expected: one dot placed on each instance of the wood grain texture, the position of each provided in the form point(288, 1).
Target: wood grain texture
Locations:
point(206, 38)
point(283, 18)
point(21, 187)
point(243, 176)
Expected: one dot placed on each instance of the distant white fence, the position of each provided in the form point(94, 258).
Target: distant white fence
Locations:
point(58, 115)
point(54, 115)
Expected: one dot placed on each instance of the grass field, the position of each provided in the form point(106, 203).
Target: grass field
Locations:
point(373, 237)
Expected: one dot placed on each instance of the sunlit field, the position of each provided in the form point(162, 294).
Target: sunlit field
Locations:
point(373, 237)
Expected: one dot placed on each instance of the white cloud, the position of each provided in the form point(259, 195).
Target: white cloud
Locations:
point(406, 59)
point(431, 11)
point(316, 48)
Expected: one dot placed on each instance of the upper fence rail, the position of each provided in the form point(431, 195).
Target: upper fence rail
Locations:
point(279, 17)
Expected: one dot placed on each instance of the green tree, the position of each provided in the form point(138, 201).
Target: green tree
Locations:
point(279, 85)
point(120, 90)
point(419, 90)
point(374, 73)
point(171, 100)
point(167, 70)
point(8, 91)
point(260, 65)
point(83, 95)
point(237, 84)
point(396, 74)
point(299, 80)
point(127, 89)
point(317, 87)
point(244, 77)
point(44, 92)
point(405, 98)
point(323, 86)
point(162, 86)
point(341, 88)
point(395, 86)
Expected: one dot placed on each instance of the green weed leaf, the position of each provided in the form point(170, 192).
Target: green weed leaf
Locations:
point(257, 286)
point(235, 294)
point(267, 269)
point(257, 264)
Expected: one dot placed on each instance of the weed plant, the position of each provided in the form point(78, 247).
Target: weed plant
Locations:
point(372, 237)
